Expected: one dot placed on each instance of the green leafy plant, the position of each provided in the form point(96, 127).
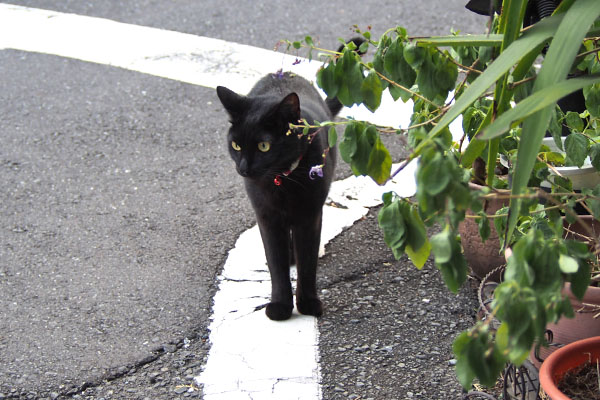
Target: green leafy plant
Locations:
point(507, 104)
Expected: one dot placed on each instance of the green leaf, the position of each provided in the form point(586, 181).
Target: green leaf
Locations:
point(502, 337)
point(403, 231)
point(332, 137)
point(464, 372)
point(360, 160)
point(414, 55)
point(555, 129)
point(568, 264)
point(592, 101)
point(511, 19)
point(528, 42)
point(371, 90)
point(580, 280)
point(441, 245)
point(418, 247)
point(463, 40)
point(454, 272)
point(420, 255)
point(472, 120)
point(387, 198)
point(595, 155)
point(364, 47)
point(436, 76)
point(477, 356)
point(484, 227)
point(349, 145)
point(559, 58)
point(426, 77)
point(378, 57)
point(397, 67)
point(327, 81)
point(399, 93)
point(539, 100)
point(348, 77)
point(391, 222)
point(473, 150)
point(593, 202)
point(574, 121)
point(433, 176)
point(576, 147)
point(445, 75)
point(380, 163)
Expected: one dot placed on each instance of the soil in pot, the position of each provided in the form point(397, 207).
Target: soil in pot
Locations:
point(582, 383)
point(569, 358)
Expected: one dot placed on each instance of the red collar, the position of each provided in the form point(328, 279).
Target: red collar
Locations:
point(277, 181)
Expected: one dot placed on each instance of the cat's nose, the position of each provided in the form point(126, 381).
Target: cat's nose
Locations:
point(243, 168)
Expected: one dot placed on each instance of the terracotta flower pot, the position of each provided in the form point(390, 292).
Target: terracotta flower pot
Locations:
point(569, 330)
point(565, 359)
point(482, 257)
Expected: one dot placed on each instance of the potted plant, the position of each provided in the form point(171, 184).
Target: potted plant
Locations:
point(507, 105)
point(571, 367)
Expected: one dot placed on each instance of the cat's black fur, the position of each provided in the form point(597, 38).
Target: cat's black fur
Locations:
point(291, 211)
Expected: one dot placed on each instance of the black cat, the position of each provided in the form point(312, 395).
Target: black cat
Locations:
point(287, 177)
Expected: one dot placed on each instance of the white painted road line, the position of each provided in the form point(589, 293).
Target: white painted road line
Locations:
point(250, 356)
point(187, 58)
point(179, 56)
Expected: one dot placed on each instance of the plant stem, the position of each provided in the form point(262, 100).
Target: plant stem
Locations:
point(459, 65)
point(521, 82)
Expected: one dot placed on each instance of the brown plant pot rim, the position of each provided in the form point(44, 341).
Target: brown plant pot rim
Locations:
point(565, 359)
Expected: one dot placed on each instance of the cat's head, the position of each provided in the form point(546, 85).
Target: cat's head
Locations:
point(260, 140)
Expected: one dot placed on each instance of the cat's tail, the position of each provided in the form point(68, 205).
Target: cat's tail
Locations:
point(333, 103)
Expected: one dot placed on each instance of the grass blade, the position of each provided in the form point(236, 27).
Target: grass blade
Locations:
point(537, 101)
point(563, 49)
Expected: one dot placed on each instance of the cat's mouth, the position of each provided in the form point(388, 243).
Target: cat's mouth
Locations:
point(253, 173)
point(257, 173)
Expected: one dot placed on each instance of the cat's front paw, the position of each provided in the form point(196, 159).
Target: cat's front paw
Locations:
point(279, 311)
point(312, 306)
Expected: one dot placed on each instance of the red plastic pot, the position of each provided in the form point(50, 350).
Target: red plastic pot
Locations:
point(565, 359)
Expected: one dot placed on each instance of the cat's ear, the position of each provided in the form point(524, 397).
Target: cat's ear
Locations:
point(289, 108)
point(234, 104)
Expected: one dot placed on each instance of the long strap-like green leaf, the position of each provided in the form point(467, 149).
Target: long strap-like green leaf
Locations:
point(538, 34)
point(462, 40)
point(558, 61)
point(537, 101)
point(513, 12)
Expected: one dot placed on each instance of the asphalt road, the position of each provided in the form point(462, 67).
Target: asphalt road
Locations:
point(119, 202)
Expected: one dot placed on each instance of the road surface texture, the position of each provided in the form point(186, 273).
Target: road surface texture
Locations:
point(119, 204)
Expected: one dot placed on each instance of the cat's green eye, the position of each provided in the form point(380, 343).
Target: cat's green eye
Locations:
point(235, 146)
point(264, 146)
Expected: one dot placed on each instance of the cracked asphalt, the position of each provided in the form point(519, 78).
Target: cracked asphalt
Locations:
point(119, 204)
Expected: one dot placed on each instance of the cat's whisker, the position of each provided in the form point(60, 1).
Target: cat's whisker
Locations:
point(296, 181)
